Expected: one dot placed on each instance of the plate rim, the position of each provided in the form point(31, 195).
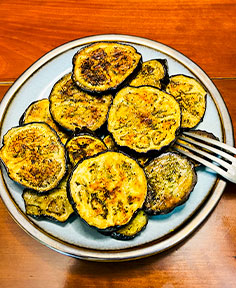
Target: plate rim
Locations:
point(138, 251)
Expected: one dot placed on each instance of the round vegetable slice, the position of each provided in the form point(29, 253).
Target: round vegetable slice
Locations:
point(104, 66)
point(144, 118)
point(74, 109)
point(153, 73)
point(34, 156)
point(106, 190)
point(83, 146)
point(171, 177)
point(55, 205)
point(133, 228)
point(192, 99)
point(38, 111)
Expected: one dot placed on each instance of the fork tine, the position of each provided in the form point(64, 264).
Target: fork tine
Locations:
point(207, 155)
point(212, 141)
point(210, 148)
point(208, 164)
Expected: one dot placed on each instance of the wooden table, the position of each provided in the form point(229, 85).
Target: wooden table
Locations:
point(205, 32)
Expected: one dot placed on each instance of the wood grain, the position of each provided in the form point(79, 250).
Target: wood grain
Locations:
point(205, 259)
point(204, 30)
point(227, 89)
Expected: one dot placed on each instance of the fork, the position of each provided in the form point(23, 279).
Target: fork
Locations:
point(212, 153)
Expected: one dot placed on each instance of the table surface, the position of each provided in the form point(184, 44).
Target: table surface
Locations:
point(203, 30)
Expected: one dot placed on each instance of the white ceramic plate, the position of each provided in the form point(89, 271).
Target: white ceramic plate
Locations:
point(75, 238)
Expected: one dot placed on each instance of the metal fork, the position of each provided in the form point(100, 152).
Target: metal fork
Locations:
point(212, 153)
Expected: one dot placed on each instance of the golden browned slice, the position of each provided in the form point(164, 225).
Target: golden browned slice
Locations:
point(83, 146)
point(106, 190)
point(55, 205)
point(38, 111)
point(104, 66)
point(191, 96)
point(171, 177)
point(74, 109)
point(144, 118)
point(151, 73)
point(133, 228)
point(34, 156)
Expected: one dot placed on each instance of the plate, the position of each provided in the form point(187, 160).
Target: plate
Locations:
point(75, 238)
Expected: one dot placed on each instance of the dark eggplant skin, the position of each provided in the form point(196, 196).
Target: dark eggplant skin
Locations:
point(73, 102)
point(142, 159)
point(22, 118)
point(120, 85)
point(145, 157)
point(61, 132)
point(59, 141)
point(151, 196)
point(163, 81)
point(22, 125)
point(150, 152)
point(205, 98)
point(47, 206)
point(84, 152)
point(121, 235)
point(45, 216)
point(107, 231)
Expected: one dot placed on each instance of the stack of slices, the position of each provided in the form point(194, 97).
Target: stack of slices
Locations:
point(98, 146)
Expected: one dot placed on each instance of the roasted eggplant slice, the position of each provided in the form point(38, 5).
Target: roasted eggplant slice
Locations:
point(34, 156)
point(83, 146)
point(144, 118)
point(107, 189)
point(153, 73)
point(38, 111)
point(192, 99)
point(55, 205)
point(104, 66)
point(171, 177)
point(73, 108)
point(133, 228)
